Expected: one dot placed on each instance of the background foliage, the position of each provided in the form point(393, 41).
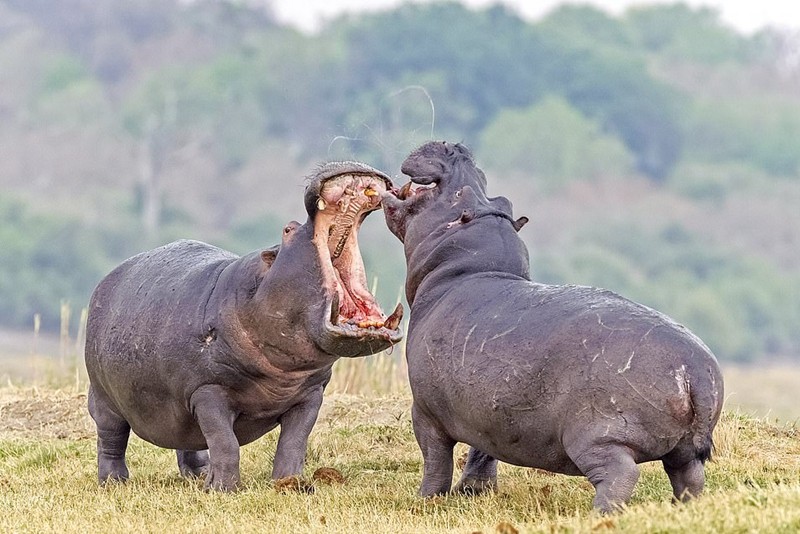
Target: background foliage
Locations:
point(655, 152)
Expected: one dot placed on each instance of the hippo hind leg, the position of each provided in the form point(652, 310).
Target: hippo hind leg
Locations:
point(112, 439)
point(479, 476)
point(192, 464)
point(685, 468)
point(613, 472)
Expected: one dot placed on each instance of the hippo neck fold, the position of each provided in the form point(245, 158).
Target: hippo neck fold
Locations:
point(280, 312)
point(486, 245)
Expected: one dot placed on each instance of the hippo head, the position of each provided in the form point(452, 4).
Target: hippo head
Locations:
point(315, 284)
point(436, 215)
point(441, 173)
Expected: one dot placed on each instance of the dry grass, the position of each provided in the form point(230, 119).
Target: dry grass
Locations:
point(48, 481)
point(48, 470)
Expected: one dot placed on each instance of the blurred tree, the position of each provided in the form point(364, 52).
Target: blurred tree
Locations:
point(743, 308)
point(678, 31)
point(45, 260)
point(764, 131)
point(554, 143)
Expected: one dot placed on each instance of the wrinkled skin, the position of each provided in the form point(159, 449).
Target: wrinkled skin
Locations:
point(198, 350)
point(571, 379)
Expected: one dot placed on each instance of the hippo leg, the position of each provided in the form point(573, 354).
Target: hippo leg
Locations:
point(480, 474)
point(612, 471)
point(112, 439)
point(192, 464)
point(684, 467)
point(296, 425)
point(687, 480)
point(210, 408)
point(437, 454)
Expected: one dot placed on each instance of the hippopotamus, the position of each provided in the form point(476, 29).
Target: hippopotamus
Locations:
point(199, 350)
point(570, 379)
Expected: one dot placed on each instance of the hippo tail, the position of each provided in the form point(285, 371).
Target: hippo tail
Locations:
point(706, 396)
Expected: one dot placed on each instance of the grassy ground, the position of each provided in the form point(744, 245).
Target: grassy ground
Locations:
point(48, 481)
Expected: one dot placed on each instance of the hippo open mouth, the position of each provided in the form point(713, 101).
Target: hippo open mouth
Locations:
point(345, 193)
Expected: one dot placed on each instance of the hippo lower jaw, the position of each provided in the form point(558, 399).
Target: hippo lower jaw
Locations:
point(350, 340)
point(353, 322)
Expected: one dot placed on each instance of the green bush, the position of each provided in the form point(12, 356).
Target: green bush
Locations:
point(553, 142)
point(46, 259)
point(743, 308)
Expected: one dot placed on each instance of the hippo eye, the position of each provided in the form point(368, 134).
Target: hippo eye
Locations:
point(458, 194)
point(287, 229)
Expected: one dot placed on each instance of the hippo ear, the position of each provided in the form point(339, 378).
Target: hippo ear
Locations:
point(519, 223)
point(268, 258)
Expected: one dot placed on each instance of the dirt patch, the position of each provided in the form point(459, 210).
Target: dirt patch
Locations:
point(52, 413)
point(41, 413)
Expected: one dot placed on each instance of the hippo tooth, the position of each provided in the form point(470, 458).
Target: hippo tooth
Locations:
point(404, 191)
point(393, 321)
point(321, 204)
point(335, 309)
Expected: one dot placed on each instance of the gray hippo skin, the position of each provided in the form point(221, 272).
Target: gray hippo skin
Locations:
point(196, 349)
point(571, 379)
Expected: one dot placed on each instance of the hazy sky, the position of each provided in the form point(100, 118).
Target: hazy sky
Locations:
point(746, 15)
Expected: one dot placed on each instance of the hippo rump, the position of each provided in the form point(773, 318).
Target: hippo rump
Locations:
point(571, 379)
point(196, 349)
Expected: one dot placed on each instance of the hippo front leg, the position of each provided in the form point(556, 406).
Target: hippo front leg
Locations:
point(437, 454)
point(296, 425)
point(213, 414)
point(480, 474)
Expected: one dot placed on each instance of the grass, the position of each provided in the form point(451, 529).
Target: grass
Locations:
point(48, 481)
point(48, 468)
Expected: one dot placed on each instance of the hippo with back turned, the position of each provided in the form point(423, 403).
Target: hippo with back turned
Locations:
point(196, 349)
point(571, 379)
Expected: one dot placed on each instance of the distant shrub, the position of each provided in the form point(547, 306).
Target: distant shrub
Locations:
point(46, 259)
point(741, 307)
point(554, 143)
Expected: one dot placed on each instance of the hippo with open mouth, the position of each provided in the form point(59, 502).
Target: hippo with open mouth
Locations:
point(196, 349)
point(571, 379)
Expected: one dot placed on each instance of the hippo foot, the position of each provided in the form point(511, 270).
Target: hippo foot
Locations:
point(112, 471)
point(225, 482)
point(475, 486)
point(192, 464)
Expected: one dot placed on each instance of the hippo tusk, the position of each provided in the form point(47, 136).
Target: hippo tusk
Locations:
point(393, 321)
point(321, 205)
point(335, 309)
point(404, 191)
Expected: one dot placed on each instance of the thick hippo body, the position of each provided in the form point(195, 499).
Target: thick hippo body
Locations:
point(195, 348)
point(571, 379)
